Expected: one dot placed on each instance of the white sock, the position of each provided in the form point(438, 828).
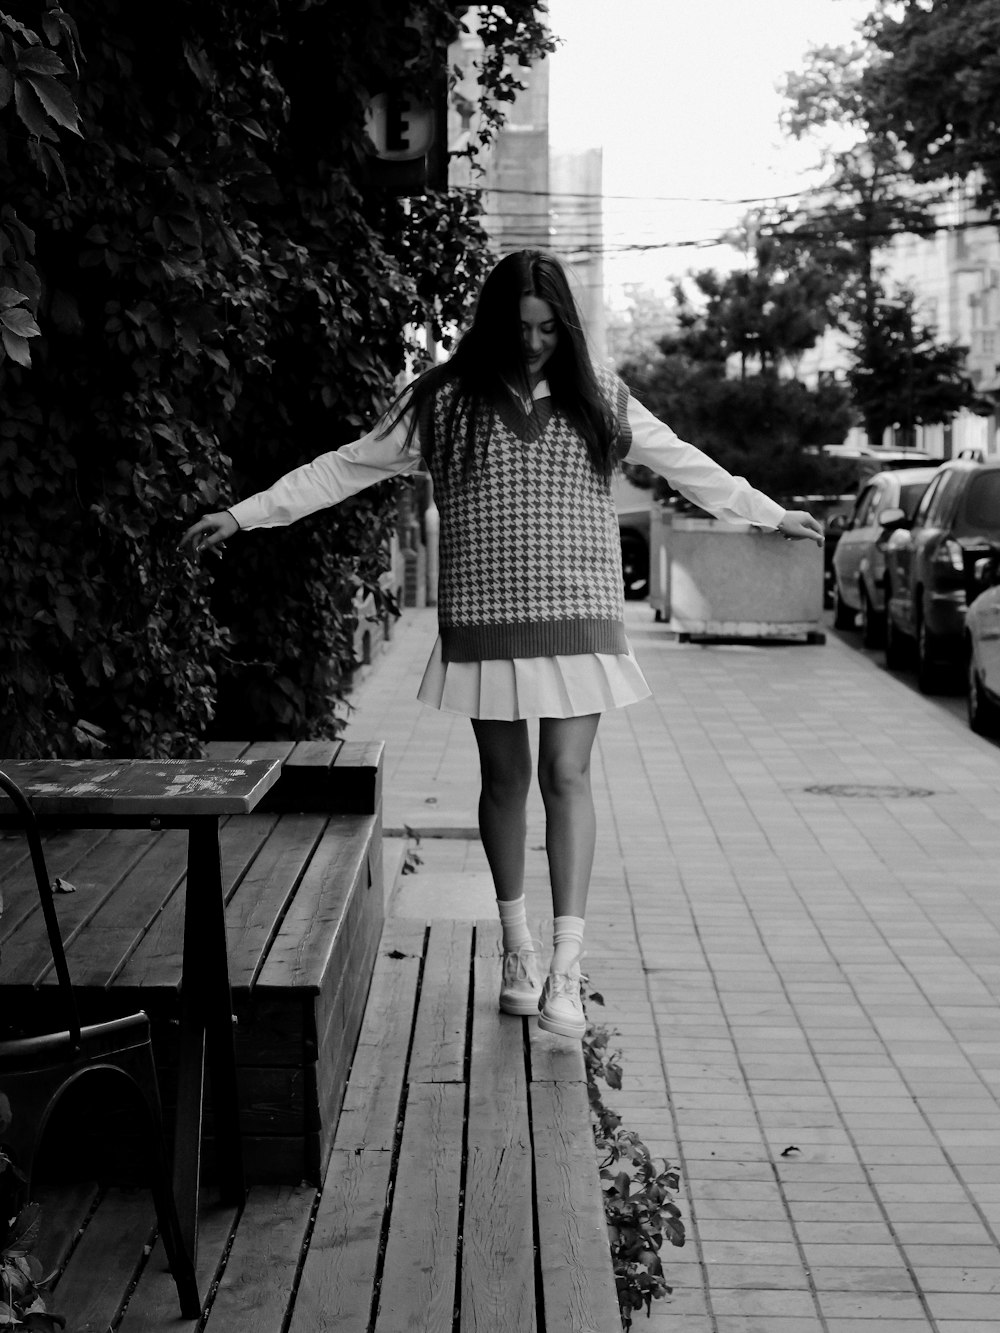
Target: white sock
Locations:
point(514, 923)
point(567, 936)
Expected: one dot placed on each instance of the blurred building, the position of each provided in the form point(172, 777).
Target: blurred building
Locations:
point(532, 200)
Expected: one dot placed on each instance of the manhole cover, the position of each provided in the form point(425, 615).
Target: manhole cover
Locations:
point(873, 791)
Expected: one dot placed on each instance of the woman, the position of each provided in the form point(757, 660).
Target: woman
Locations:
point(521, 436)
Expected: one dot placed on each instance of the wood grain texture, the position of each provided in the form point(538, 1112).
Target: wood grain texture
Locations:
point(371, 1104)
point(418, 1279)
point(91, 1290)
point(577, 1278)
point(255, 1287)
point(438, 1054)
point(338, 1277)
point(152, 1306)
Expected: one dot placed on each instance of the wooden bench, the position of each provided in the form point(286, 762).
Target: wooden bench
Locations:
point(304, 912)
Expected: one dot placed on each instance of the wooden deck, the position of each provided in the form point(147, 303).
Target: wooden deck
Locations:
point(461, 1194)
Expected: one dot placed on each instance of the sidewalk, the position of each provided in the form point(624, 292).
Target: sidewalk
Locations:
point(795, 923)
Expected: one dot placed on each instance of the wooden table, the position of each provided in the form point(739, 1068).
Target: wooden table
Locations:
point(161, 794)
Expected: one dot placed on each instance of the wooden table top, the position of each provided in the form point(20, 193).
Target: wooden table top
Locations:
point(153, 787)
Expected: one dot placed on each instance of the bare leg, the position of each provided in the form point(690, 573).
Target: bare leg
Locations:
point(505, 763)
point(564, 750)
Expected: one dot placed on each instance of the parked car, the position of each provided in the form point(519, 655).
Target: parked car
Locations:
point(834, 511)
point(982, 646)
point(859, 557)
point(929, 564)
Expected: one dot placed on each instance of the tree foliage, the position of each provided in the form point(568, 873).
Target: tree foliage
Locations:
point(216, 294)
point(902, 375)
point(935, 85)
point(760, 425)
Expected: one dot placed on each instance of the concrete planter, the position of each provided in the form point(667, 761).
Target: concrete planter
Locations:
point(710, 579)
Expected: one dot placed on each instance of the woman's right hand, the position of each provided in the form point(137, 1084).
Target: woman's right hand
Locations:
point(209, 531)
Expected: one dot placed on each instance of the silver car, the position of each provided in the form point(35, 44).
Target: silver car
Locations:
point(982, 643)
point(859, 559)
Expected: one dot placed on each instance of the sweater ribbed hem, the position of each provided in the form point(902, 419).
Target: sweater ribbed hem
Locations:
point(547, 638)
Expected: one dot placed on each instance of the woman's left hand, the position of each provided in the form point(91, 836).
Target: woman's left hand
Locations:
point(798, 524)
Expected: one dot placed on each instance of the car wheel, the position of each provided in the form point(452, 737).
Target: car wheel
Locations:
point(843, 616)
point(635, 566)
point(929, 669)
point(984, 716)
point(872, 622)
point(896, 647)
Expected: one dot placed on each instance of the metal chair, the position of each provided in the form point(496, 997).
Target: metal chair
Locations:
point(35, 1072)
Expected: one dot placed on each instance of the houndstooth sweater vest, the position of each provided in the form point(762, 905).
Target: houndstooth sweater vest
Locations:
point(530, 557)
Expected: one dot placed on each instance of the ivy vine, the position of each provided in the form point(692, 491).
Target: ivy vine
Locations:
point(200, 289)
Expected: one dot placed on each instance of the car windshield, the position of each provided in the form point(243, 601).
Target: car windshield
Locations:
point(909, 496)
point(981, 511)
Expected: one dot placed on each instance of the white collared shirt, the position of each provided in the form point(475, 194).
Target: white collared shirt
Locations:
point(334, 476)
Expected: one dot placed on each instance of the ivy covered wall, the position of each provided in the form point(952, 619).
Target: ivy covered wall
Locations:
point(200, 288)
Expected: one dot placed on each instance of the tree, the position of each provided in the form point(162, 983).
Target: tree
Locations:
point(899, 374)
point(902, 376)
point(760, 425)
point(935, 85)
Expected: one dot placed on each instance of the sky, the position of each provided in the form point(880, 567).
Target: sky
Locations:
point(682, 96)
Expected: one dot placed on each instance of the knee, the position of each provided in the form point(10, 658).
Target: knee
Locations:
point(564, 777)
point(506, 784)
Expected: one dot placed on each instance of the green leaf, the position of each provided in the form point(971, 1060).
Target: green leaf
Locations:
point(10, 296)
point(19, 322)
point(6, 86)
point(57, 101)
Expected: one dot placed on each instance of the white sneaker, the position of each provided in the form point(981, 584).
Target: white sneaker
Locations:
point(520, 987)
point(560, 1009)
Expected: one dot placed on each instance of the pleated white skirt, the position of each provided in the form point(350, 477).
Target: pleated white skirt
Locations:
point(512, 689)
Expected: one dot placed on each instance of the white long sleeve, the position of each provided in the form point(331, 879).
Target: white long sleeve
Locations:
point(696, 475)
point(330, 478)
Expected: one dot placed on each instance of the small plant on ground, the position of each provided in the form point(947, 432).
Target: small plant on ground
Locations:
point(21, 1280)
point(639, 1197)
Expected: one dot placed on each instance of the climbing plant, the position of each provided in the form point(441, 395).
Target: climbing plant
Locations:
point(200, 287)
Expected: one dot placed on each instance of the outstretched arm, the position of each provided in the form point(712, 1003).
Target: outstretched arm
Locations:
point(325, 481)
point(708, 485)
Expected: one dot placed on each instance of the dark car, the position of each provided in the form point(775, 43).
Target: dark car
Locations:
point(859, 558)
point(982, 646)
point(929, 564)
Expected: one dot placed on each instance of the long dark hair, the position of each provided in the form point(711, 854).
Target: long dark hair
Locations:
point(490, 356)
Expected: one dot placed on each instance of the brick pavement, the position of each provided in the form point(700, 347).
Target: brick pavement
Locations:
point(805, 982)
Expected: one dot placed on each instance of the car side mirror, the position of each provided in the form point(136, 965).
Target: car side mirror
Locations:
point(838, 523)
point(986, 572)
point(892, 518)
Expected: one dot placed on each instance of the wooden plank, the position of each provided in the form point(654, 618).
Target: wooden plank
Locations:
point(65, 1208)
point(498, 1262)
point(338, 1277)
point(356, 777)
point(418, 1278)
point(275, 751)
point(103, 945)
point(314, 754)
point(438, 1054)
point(371, 1104)
point(145, 787)
point(256, 909)
point(91, 1290)
point(64, 850)
point(255, 1287)
point(156, 958)
point(301, 949)
point(577, 1278)
point(553, 1059)
point(27, 958)
point(152, 1307)
point(224, 751)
